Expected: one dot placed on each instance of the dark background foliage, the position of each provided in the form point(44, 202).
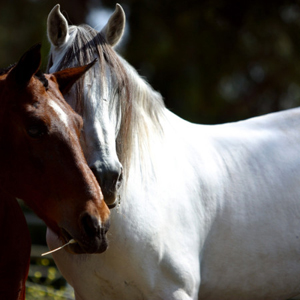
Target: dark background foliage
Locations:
point(213, 60)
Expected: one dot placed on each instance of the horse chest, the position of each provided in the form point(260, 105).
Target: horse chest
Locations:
point(148, 257)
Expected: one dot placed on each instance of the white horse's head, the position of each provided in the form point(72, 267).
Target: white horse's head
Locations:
point(96, 96)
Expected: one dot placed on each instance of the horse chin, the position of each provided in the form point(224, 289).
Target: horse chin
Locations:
point(85, 245)
point(97, 247)
point(110, 198)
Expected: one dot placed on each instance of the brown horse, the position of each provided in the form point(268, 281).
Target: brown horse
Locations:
point(15, 249)
point(41, 162)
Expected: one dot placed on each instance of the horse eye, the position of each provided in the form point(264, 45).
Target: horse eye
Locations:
point(36, 131)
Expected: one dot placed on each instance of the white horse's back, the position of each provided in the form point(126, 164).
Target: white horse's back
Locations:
point(252, 250)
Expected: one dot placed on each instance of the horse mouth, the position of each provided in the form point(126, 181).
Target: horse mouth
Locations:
point(85, 245)
point(78, 248)
point(110, 198)
point(111, 194)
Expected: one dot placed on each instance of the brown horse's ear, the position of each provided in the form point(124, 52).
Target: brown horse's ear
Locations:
point(27, 66)
point(66, 78)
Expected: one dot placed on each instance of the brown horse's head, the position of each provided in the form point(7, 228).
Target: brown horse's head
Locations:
point(41, 160)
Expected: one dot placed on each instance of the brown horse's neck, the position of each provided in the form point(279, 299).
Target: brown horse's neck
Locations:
point(6, 182)
point(3, 108)
point(15, 251)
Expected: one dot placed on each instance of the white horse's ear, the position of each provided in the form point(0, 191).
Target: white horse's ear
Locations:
point(114, 29)
point(57, 27)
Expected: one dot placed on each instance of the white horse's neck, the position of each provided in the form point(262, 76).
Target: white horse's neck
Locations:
point(147, 102)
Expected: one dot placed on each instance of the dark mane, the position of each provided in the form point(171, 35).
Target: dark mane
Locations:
point(4, 71)
point(39, 75)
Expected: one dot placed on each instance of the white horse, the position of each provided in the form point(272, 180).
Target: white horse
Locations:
point(206, 212)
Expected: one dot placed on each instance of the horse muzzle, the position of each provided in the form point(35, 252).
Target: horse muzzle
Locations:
point(109, 179)
point(91, 238)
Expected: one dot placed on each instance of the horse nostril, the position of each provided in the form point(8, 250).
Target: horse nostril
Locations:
point(112, 177)
point(120, 179)
point(90, 225)
point(109, 178)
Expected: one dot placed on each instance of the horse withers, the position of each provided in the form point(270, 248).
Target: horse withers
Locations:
point(42, 163)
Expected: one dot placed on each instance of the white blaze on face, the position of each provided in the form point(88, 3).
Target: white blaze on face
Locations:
point(61, 114)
